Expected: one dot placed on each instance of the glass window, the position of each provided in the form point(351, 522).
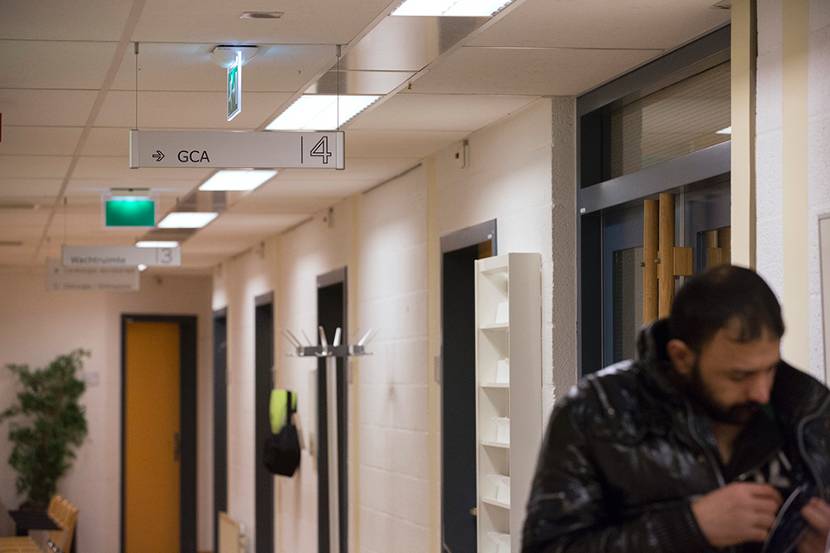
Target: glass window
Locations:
point(685, 117)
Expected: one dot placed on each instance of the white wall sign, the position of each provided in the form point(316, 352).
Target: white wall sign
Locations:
point(91, 279)
point(120, 256)
point(237, 149)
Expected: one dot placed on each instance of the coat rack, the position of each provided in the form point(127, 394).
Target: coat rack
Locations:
point(336, 350)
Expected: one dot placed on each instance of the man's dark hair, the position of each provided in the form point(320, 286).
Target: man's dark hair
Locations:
point(722, 296)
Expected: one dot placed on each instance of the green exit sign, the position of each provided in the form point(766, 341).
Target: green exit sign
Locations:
point(130, 211)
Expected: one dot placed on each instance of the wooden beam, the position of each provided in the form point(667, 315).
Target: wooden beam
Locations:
point(683, 261)
point(666, 246)
point(650, 244)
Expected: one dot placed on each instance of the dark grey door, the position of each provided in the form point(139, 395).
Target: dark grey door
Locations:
point(220, 420)
point(459, 498)
point(263, 382)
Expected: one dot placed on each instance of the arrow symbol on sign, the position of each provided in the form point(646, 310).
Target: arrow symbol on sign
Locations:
point(158, 156)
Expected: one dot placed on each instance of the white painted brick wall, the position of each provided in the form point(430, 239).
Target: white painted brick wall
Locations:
point(818, 166)
point(769, 152)
point(394, 419)
point(509, 179)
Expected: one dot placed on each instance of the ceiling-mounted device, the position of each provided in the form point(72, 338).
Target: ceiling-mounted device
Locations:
point(261, 15)
point(225, 54)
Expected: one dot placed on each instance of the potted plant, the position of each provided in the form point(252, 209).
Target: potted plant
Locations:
point(47, 425)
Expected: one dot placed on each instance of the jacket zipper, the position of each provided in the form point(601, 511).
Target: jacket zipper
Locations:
point(712, 462)
point(802, 447)
point(708, 454)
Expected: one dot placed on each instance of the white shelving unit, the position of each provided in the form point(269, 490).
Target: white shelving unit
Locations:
point(509, 395)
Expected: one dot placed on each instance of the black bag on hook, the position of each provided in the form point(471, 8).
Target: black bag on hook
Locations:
point(281, 453)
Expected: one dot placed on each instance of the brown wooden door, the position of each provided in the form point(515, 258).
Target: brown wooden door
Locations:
point(152, 438)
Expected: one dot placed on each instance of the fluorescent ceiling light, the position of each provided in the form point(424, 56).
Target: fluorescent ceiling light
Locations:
point(157, 244)
point(449, 8)
point(187, 219)
point(727, 130)
point(142, 268)
point(319, 112)
point(236, 180)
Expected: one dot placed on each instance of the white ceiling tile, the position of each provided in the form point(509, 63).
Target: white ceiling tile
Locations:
point(193, 260)
point(62, 20)
point(32, 64)
point(275, 68)
point(40, 140)
point(409, 143)
point(162, 186)
point(447, 112)
point(46, 107)
point(243, 225)
point(16, 256)
point(527, 71)
point(33, 167)
point(195, 110)
point(24, 217)
point(107, 142)
point(217, 21)
point(202, 246)
point(638, 24)
point(117, 169)
point(270, 201)
point(25, 189)
point(357, 169)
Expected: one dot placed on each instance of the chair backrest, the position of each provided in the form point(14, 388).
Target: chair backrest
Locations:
point(66, 515)
point(231, 535)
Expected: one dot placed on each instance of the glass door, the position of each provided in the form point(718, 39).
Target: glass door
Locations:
point(649, 247)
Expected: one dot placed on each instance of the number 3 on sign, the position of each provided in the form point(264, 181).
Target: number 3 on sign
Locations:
point(321, 149)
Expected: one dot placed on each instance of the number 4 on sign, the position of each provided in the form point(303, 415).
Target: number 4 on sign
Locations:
point(321, 149)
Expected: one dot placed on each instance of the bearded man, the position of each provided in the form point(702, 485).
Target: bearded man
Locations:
point(707, 442)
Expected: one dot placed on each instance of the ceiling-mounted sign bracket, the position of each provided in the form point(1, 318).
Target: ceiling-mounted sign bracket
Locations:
point(237, 149)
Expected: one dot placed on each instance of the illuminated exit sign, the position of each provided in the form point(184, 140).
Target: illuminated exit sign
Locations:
point(234, 88)
point(129, 211)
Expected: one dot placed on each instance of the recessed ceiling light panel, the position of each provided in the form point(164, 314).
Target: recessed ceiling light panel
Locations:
point(236, 180)
point(321, 112)
point(451, 8)
point(157, 244)
point(187, 219)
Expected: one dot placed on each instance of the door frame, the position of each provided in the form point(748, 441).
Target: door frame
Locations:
point(187, 424)
point(337, 276)
point(264, 501)
point(220, 425)
point(452, 241)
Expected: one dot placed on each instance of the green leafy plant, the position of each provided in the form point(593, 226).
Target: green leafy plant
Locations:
point(47, 425)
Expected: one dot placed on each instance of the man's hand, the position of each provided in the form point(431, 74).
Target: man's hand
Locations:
point(817, 538)
point(737, 513)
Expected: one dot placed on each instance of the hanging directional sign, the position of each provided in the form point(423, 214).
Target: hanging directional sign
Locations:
point(91, 279)
point(120, 256)
point(235, 87)
point(237, 150)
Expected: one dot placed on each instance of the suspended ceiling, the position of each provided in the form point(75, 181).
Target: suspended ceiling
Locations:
point(71, 87)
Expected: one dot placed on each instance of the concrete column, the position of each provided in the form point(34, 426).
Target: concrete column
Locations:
point(564, 232)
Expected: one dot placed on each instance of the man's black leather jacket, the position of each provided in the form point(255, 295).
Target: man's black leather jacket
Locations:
point(625, 453)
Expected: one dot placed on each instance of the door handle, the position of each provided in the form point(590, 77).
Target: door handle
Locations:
point(177, 447)
point(474, 511)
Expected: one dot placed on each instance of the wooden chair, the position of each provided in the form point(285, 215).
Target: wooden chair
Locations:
point(64, 514)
